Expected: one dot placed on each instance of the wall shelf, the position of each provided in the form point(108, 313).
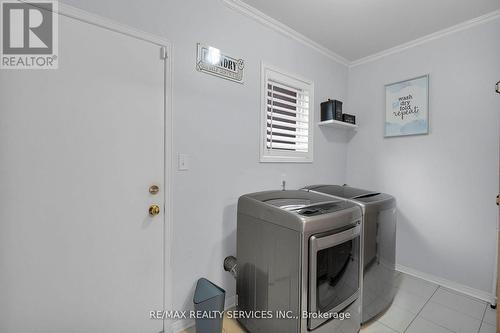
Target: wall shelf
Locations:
point(337, 124)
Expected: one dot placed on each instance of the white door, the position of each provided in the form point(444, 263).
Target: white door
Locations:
point(79, 148)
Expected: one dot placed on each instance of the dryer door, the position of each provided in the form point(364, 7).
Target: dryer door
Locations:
point(334, 273)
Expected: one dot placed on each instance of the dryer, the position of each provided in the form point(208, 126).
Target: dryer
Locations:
point(299, 260)
point(379, 255)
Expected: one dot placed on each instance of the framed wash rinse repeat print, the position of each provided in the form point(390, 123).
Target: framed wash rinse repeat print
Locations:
point(407, 107)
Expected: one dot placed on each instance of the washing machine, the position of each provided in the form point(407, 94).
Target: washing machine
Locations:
point(379, 255)
point(298, 263)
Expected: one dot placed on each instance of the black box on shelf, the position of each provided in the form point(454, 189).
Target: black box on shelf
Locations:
point(331, 109)
point(349, 118)
point(327, 110)
point(338, 110)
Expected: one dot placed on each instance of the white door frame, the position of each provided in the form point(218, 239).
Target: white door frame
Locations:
point(94, 19)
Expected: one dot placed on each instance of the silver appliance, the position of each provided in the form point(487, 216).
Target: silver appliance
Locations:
point(379, 221)
point(299, 258)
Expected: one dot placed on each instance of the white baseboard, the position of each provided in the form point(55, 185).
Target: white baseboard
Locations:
point(183, 324)
point(476, 293)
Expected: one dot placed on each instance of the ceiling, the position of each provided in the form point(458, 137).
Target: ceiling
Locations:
point(358, 28)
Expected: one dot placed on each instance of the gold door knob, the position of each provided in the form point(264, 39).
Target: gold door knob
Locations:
point(154, 210)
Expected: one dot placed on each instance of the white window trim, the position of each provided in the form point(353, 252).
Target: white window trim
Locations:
point(267, 155)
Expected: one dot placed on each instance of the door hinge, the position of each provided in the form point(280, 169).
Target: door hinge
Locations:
point(498, 199)
point(163, 53)
point(497, 87)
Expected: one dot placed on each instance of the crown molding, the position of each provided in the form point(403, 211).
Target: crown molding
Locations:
point(436, 35)
point(260, 17)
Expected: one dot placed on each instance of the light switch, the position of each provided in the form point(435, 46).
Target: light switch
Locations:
point(183, 162)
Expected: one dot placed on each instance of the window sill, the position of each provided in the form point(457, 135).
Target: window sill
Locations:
point(285, 159)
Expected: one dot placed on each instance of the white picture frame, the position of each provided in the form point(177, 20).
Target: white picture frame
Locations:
point(407, 107)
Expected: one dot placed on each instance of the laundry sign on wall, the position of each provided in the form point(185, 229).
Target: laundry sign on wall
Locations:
point(212, 61)
point(407, 107)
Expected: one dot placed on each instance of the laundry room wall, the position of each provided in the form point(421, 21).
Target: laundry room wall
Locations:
point(216, 123)
point(445, 182)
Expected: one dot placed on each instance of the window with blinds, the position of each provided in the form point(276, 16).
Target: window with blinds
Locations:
point(287, 117)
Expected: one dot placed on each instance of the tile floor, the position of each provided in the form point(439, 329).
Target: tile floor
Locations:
point(422, 307)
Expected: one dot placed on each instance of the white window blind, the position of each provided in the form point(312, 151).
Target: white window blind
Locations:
point(287, 116)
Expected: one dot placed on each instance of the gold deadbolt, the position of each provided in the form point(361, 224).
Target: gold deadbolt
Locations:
point(154, 210)
point(154, 189)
